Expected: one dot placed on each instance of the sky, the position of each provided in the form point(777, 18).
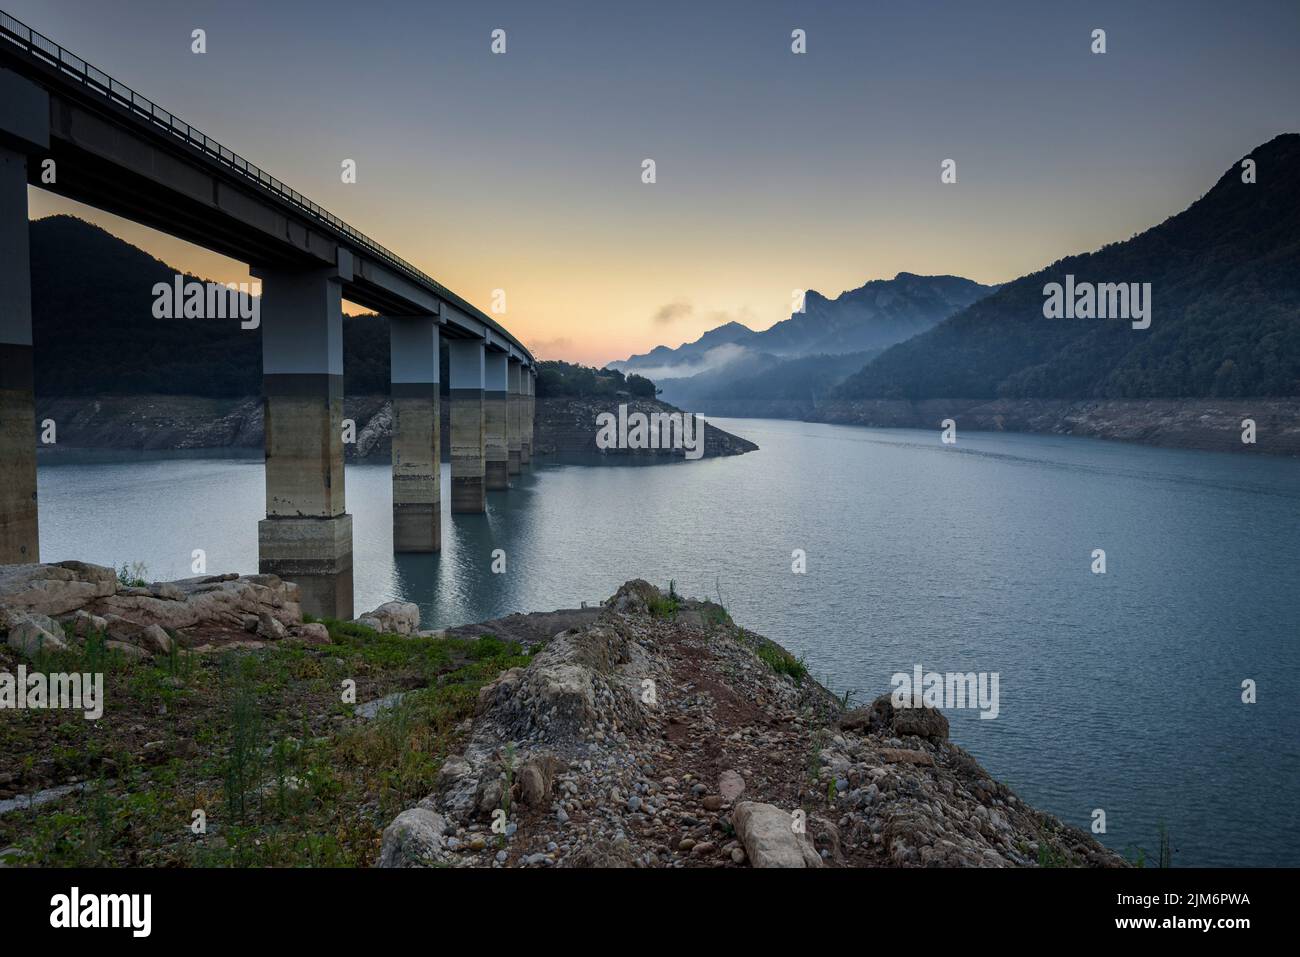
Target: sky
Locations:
point(775, 171)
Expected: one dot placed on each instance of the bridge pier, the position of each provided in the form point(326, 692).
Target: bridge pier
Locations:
point(19, 533)
point(496, 390)
point(466, 368)
point(306, 536)
point(526, 426)
point(417, 462)
point(24, 135)
point(514, 417)
point(532, 411)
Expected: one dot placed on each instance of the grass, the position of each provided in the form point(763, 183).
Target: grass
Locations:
point(259, 740)
point(135, 575)
point(783, 663)
point(1164, 857)
point(666, 606)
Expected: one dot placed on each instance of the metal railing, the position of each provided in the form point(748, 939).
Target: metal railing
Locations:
point(44, 50)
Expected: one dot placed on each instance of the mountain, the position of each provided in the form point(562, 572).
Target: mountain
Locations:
point(1224, 280)
point(711, 349)
point(873, 316)
point(95, 332)
point(734, 359)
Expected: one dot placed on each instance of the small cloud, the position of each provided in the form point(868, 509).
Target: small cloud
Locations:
point(673, 311)
point(712, 360)
point(548, 348)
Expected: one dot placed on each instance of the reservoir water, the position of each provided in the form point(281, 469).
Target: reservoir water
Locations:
point(1119, 691)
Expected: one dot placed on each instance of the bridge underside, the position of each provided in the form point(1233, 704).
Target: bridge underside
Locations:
point(307, 268)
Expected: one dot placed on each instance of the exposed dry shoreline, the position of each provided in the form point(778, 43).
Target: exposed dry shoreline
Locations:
point(652, 731)
point(1205, 424)
point(565, 426)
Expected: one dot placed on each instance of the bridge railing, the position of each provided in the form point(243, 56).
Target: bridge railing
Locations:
point(46, 51)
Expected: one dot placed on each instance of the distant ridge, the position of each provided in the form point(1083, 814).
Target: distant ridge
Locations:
point(812, 351)
point(1225, 277)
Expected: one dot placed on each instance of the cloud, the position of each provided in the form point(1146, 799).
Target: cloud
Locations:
point(548, 348)
point(671, 312)
point(712, 360)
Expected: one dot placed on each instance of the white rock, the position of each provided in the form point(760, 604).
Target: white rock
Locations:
point(770, 838)
point(414, 839)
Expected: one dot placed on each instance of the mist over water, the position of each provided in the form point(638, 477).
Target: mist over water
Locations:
point(1118, 691)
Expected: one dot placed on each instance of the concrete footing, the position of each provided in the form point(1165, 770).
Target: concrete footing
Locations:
point(467, 466)
point(526, 416)
point(417, 458)
point(19, 533)
point(465, 365)
point(417, 493)
point(316, 554)
point(496, 449)
point(514, 418)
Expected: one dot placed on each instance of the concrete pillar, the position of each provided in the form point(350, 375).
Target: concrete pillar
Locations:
point(465, 367)
point(495, 436)
point(514, 417)
point(306, 536)
point(19, 536)
point(525, 416)
point(417, 465)
point(531, 421)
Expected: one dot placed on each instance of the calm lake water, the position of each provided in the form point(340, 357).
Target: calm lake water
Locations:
point(1119, 691)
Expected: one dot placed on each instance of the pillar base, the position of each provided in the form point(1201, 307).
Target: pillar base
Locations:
point(315, 554)
point(417, 528)
point(417, 470)
point(20, 541)
point(468, 495)
point(513, 461)
point(496, 476)
point(525, 453)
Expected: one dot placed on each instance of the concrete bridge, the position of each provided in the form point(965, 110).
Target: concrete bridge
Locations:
point(115, 150)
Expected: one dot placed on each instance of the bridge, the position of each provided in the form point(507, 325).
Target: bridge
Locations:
point(118, 151)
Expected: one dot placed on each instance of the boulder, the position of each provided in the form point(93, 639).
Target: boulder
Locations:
point(313, 632)
point(269, 627)
point(81, 625)
point(881, 717)
point(770, 838)
point(54, 589)
point(134, 652)
point(224, 601)
point(730, 786)
point(634, 597)
point(393, 618)
point(536, 779)
point(581, 680)
point(31, 633)
point(157, 640)
point(414, 839)
point(123, 630)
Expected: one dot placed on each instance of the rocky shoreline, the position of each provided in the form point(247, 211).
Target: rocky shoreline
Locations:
point(1200, 424)
point(663, 735)
point(566, 427)
point(650, 732)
